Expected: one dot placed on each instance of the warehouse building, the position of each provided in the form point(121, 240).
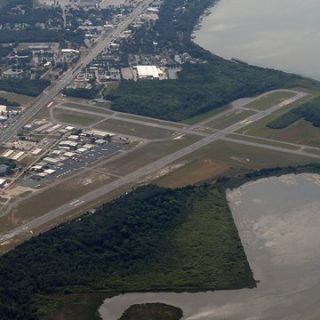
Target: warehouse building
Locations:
point(149, 72)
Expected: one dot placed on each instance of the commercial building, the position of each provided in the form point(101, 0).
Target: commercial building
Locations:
point(149, 72)
point(2, 182)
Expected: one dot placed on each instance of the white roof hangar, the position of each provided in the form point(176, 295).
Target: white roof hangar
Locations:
point(148, 72)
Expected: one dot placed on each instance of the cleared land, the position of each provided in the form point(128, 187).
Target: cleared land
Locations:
point(193, 172)
point(270, 100)
point(134, 129)
point(75, 118)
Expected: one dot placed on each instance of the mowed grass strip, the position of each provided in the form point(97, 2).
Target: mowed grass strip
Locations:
point(263, 141)
point(75, 118)
point(134, 129)
point(270, 100)
point(79, 107)
point(230, 118)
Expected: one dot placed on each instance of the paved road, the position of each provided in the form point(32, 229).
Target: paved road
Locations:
point(151, 168)
point(52, 91)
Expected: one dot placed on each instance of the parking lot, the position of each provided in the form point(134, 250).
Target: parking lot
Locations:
point(65, 167)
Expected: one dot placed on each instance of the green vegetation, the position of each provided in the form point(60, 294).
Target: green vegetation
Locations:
point(24, 86)
point(152, 311)
point(151, 239)
point(8, 103)
point(270, 100)
point(199, 89)
point(82, 92)
point(207, 85)
point(75, 118)
point(12, 164)
point(224, 183)
point(309, 111)
point(36, 35)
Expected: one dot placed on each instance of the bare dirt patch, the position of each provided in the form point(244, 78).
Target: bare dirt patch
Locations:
point(193, 172)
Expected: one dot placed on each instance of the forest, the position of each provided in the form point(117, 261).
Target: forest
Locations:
point(142, 241)
point(309, 111)
point(24, 86)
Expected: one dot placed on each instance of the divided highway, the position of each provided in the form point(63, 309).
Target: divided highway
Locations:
point(52, 91)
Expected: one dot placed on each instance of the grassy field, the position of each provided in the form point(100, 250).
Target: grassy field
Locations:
point(78, 106)
point(263, 141)
point(222, 157)
point(74, 118)
point(145, 154)
point(270, 100)
point(301, 132)
point(150, 120)
point(134, 129)
point(206, 115)
point(261, 124)
point(15, 97)
point(309, 111)
point(48, 199)
point(230, 118)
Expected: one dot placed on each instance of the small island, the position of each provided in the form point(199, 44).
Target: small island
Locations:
point(152, 311)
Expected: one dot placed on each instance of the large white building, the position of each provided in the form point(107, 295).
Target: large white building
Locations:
point(149, 72)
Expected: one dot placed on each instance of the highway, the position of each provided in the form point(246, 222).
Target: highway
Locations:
point(53, 90)
point(154, 167)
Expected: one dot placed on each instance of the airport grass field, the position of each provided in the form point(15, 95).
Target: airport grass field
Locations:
point(269, 100)
point(77, 119)
point(133, 129)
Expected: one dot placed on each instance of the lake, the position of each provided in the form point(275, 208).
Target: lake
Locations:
point(278, 220)
point(281, 34)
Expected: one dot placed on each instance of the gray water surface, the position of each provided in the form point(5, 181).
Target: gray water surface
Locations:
point(279, 224)
point(282, 34)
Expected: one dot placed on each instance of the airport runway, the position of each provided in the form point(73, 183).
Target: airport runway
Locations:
point(153, 167)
